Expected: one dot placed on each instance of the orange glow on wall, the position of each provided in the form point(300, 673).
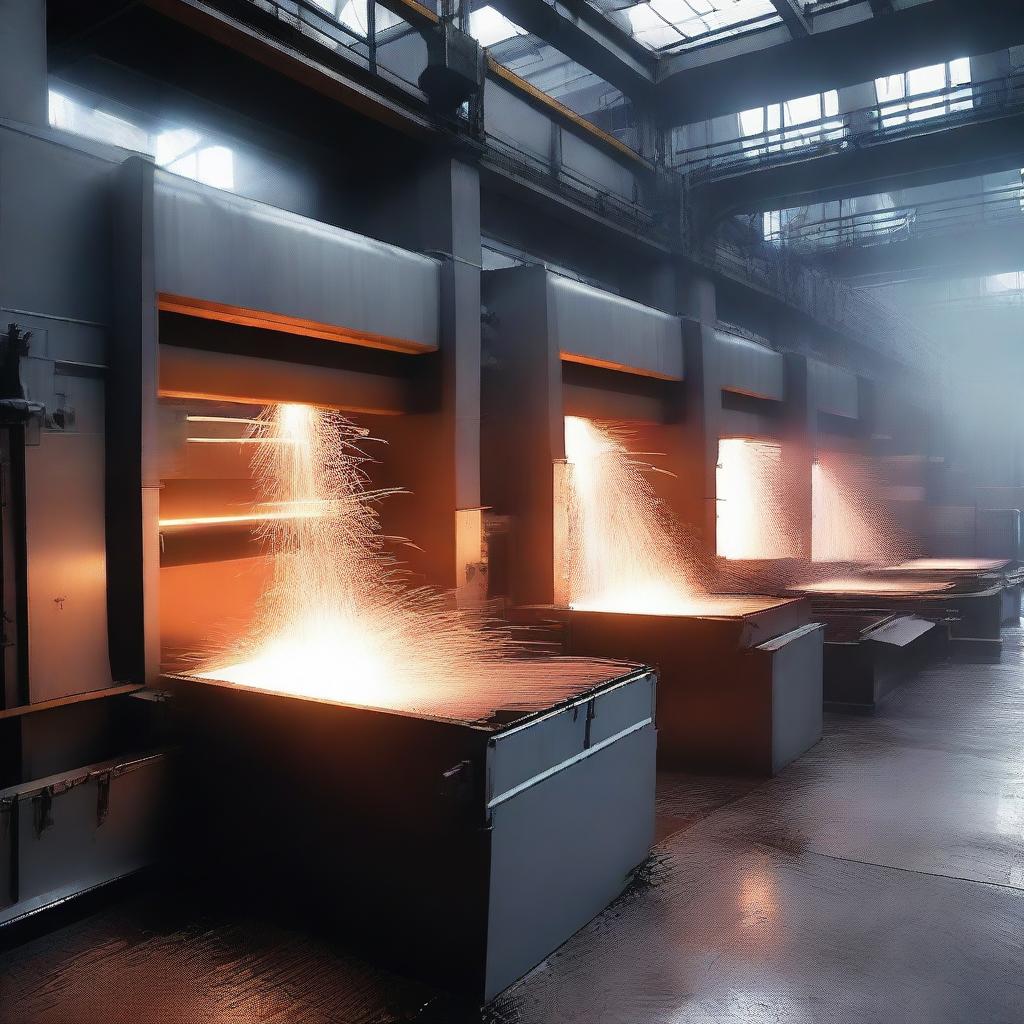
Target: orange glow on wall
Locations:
point(616, 547)
point(850, 520)
point(754, 501)
point(339, 620)
point(249, 518)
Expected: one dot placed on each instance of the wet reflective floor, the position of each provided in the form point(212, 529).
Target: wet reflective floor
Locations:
point(878, 879)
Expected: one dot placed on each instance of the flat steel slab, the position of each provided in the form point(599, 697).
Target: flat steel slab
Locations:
point(740, 693)
point(740, 621)
point(948, 565)
point(860, 587)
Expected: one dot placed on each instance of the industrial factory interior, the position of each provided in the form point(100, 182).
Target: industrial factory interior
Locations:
point(511, 511)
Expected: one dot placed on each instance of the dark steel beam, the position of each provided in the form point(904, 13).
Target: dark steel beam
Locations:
point(792, 15)
point(846, 46)
point(881, 7)
point(590, 39)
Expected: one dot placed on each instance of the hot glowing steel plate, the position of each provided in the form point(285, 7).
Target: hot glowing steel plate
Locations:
point(736, 692)
point(739, 686)
point(544, 683)
point(949, 565)
point(869, 587)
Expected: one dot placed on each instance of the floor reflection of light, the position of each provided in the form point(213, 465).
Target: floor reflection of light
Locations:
point(759, 901)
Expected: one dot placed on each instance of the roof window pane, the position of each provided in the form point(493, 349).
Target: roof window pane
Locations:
point(490, 27)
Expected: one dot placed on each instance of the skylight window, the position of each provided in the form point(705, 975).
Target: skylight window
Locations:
point(943, 88)
point(354, 15)
point(1000, 284)
point(490, 27)
point(661, 23)
point(791, 123)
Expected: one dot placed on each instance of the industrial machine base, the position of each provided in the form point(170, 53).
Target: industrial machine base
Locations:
point(459, 852)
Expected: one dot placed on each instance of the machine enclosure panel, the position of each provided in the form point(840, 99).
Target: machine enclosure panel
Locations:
point(724, 703)
point(65, 834)
point(862, 673)
point(601, 327)
point(563, 850)
point(749, 368)
point(430, 844)
point(225, 249)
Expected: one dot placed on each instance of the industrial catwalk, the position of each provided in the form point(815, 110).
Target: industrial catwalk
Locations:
point(878, 878)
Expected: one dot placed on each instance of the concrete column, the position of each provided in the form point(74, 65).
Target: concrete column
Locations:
point(23, 92)
point(436, 453)
point(700, 422)
point(702, 409)
point(698, 299)
point(800, 440)
point(133, 476)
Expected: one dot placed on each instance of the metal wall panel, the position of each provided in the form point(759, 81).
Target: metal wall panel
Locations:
point(596, 326)
point(66, 510)
point(562, 850)
point(55, 229)
point(520, 755)
point(82, 829)
point(509, 118)
point(597, 166)
point(67, 572)
point(222, 249)
point(749, 368)
point(833, 389)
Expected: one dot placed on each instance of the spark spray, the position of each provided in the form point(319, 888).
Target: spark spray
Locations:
point(619, 550)
point(851, 519)
point(339, 620)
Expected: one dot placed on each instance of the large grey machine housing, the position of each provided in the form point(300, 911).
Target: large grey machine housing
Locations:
point(459, 852)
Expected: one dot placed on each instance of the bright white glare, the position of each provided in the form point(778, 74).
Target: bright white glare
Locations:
point(180, 151)
point(663, 22)
point(1000, 283)
point(754, 495)
point(790, 124)
point(954, 77)
point(72, 116)
point(489, 27)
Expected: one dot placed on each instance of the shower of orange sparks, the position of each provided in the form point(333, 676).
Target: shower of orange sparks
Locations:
point(338, 621)
point(618, 550)
point(850, 519)
point(754, 500)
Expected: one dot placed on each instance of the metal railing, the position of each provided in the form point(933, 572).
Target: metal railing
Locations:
point(825, 299)
point(512, 157)
point(979, 210)
point(794, 282)
point(866, 126)
point(391, 48)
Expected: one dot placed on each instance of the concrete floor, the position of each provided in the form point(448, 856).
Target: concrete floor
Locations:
point(879, 879)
